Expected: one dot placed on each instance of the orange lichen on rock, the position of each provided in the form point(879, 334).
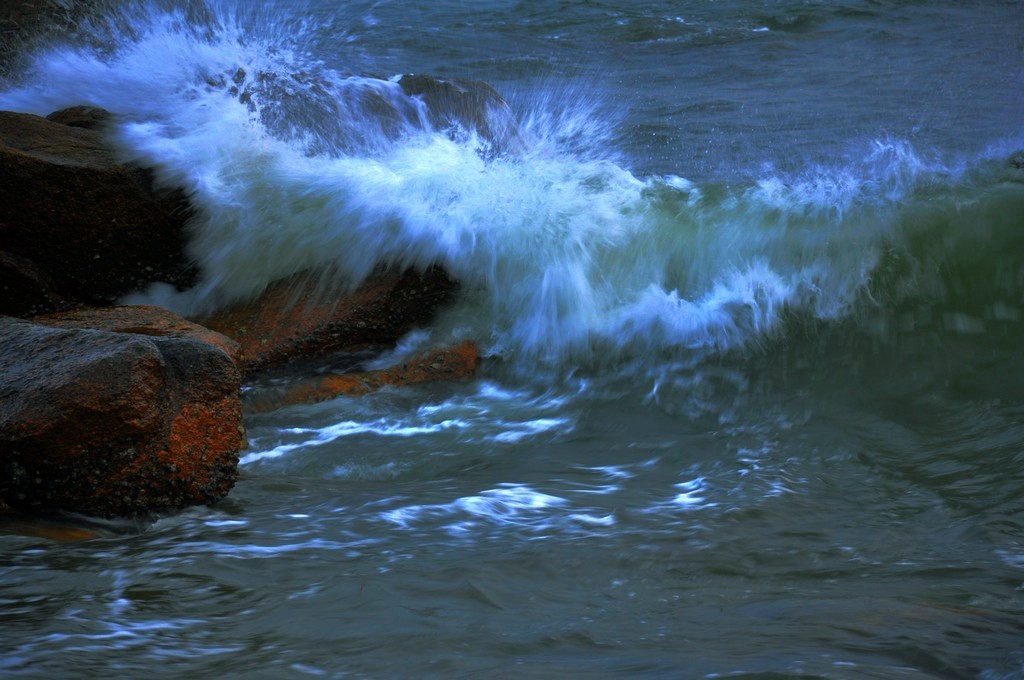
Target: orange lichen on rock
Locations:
point(450, 363)
point(111, 424)
point(204, 429)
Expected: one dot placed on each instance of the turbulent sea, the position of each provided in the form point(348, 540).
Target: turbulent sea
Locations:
point(750, 291)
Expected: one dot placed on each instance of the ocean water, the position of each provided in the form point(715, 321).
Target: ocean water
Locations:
point(749, 282)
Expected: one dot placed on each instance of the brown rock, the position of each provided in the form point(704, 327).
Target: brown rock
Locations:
point(450, 363)
point(96, 227)
point(471, 104)
point(293, 320)
point(114, 423)
point(18, 12)
point(141, 320)
point(44, 528)
point(25, 288)
point(26, 23)
point(88, 117)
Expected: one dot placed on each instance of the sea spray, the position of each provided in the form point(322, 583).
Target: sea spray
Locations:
point(564, 255)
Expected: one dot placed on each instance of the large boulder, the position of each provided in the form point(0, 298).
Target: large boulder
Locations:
point(295, 319)
point(110, 424)
point(95, 228)
point(141, 320)
point(26, 289)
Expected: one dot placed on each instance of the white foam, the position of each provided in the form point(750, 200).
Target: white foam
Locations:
point(691, 494)
point(331, 433)
point(563, 254)
point(517, 505)
point(519, 431)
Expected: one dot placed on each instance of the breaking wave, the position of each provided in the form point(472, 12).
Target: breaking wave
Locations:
point(564, 254)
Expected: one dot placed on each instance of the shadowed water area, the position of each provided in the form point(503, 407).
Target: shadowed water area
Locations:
point(748, 280)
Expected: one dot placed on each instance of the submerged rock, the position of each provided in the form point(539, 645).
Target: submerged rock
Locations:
point(108, 424)
point(449, 363)
point(293, 319)
point(46, 528)
point(95, 228)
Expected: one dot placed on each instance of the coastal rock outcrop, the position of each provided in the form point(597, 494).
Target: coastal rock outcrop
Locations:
point(107, 423)
point(25, 288)
point(470, 104)
point(293, 319)
point(26, 22)
point(88, 117)
point(141, 320)
point(368, 111)
point(449, 363)
point(113, 411)
point(81, 227)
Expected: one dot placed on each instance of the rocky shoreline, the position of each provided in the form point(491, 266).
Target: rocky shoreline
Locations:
point(112, 410)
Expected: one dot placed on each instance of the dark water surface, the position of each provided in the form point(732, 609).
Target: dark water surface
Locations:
point(751, 298)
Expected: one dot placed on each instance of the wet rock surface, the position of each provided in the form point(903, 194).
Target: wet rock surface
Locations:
point(358, 113)
point(113, 411)
point(292, 319)
point(449, 363)
point(88, 117)
point(141, 320)
point(111, 424)
point(469, 104)
point(25, 288)
point(95, 228)
point(23, 22)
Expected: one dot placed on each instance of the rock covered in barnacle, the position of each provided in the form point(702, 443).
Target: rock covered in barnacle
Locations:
point(107, 423)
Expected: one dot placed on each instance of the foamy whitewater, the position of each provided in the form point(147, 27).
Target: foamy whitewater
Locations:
point(748, 279)
point(558, 249)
